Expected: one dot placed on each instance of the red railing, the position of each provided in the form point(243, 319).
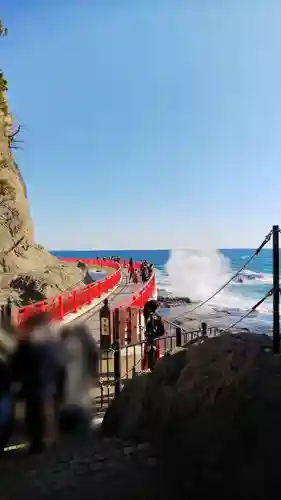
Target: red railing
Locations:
point(69, 302)
point(144, 293)
point(139, 298)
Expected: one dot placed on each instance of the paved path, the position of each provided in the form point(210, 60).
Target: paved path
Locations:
point(123, 293)
point(85, 467)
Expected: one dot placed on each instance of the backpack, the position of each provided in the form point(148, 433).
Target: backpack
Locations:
point(152, 326)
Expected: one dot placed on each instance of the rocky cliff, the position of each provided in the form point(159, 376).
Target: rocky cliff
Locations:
point(28, 272)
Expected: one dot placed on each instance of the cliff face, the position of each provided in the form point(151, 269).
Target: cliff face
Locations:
point(27, 271)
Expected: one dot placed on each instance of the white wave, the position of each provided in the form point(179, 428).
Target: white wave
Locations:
point(199, 274)
point(254, 278)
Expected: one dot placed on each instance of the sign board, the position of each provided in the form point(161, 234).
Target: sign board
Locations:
point(105, 328)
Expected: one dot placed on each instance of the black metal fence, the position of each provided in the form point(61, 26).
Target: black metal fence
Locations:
point(119, 364)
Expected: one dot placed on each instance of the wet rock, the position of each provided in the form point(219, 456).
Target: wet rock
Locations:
point(168, 302)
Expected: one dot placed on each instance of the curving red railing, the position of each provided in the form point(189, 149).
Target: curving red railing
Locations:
point(139, 298)
point(144, 293)
point(69, 302)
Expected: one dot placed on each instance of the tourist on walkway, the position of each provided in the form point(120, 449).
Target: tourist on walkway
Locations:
point(135, 277)
point(154, 328)
point(144, 274)
point(153, 322)
point(36, 364)
point(131, 270)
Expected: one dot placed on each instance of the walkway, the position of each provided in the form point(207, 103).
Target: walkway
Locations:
point(84, 467)
point(124, 291)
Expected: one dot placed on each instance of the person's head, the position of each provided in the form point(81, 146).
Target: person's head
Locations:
point(105, 302)
point(151, 306)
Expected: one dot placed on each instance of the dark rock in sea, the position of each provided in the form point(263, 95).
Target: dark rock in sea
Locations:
point(211, 413)
point(173, 301)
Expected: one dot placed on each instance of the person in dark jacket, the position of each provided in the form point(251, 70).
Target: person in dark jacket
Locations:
point(153, 322)
point(36, 364)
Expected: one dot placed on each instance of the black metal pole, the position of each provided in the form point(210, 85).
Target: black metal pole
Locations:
point(276, 290)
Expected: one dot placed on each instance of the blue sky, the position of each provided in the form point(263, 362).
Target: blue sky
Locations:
point(166, 111)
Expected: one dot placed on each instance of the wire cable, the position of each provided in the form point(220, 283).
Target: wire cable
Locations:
point(248, 312)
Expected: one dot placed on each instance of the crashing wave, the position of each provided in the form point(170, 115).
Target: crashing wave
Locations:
point(247, 276)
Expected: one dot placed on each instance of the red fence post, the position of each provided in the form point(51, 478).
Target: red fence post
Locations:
point(42, 307)
point(90, 288)
point(74, 298)
point(60, 307)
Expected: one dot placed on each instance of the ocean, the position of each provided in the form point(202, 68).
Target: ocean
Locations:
point(198, 274)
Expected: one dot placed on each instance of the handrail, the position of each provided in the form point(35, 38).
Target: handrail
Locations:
point(71, 301)
point(139, 298)
point(144, 293)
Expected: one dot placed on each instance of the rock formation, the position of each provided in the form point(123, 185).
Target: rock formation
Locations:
point(212, 413)
point(27, 271)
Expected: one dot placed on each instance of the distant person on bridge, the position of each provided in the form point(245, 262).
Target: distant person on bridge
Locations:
point(131, 270)
point(150, 270)
point(135, 277)
point(144, 273)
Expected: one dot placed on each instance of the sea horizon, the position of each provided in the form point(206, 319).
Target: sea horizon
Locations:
point(56, 250)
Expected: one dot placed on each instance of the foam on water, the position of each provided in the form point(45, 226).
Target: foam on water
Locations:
point(199, 274)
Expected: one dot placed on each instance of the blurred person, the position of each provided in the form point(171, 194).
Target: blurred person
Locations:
point(36, 364)
point(8, 346)
point(131, 270)
point(135, 277)
point(80, 375)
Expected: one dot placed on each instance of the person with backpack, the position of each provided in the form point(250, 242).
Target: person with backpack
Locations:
point(154, 328)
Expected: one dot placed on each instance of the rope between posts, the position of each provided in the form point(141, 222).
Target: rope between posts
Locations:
point(265, 241)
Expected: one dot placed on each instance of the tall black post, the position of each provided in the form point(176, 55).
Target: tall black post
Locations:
point(117, 352)
point(276, 291)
